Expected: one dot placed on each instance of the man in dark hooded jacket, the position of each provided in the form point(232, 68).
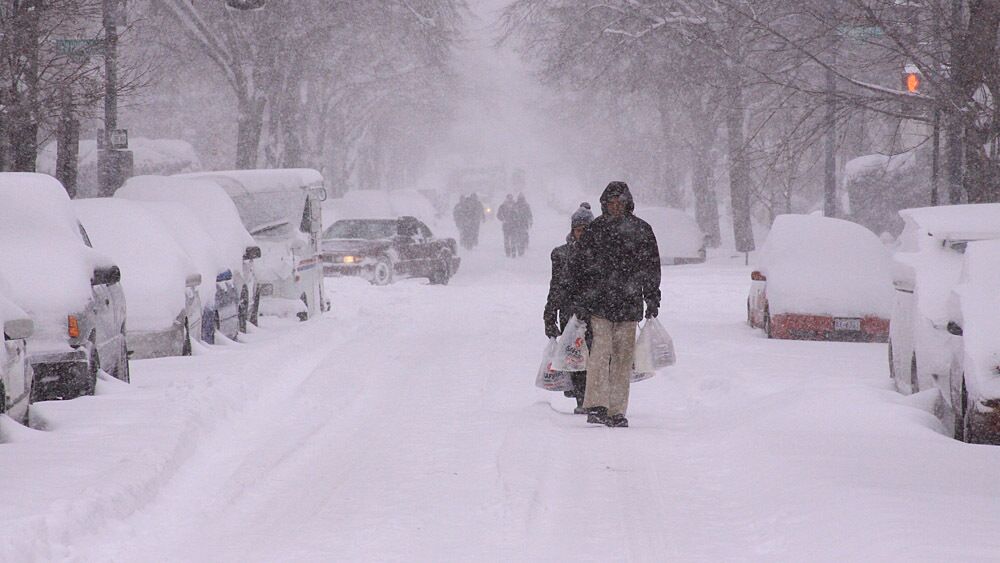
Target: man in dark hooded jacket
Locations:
point(617, 270)
point(563, 293)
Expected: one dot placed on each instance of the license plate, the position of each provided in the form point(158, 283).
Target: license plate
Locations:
point(847, 324)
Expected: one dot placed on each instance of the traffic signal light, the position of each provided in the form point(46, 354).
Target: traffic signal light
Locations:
point(912, 82)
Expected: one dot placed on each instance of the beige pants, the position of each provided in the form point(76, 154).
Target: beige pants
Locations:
point(610, 365)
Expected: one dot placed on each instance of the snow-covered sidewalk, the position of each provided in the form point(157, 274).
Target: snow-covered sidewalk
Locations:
point(404, 426)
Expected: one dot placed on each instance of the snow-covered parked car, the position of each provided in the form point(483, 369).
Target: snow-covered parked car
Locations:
point(219, 296)
point(678, 235)
point(70, 291)
point(972, 388)
point(160, 280)
point(926, 268)
point(281, 210)
point(219, 216)
point(820, 278)
point(15, 371)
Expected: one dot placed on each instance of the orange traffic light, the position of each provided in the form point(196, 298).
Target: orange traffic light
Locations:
point(911, 80)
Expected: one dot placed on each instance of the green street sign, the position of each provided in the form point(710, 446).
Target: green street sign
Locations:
point(80, 49)
point(860, 32)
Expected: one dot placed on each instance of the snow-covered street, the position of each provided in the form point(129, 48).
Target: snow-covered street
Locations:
point(404, 425)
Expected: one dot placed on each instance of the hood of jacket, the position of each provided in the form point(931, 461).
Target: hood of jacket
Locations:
point(617, 189)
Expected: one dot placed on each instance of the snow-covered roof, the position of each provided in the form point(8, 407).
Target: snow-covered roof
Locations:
point(825, 266)
point(205, 199)
point(42, 253)
point(268, 180)
point(881, 163)
point(953, 222)
point(154, 267)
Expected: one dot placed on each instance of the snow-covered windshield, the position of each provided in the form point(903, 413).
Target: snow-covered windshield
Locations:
point(357, 229)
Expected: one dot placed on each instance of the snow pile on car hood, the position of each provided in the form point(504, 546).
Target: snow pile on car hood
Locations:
point(154, 267)
point(823, 266)
point(978, 296)
point(206, 200)
point(42, 252)
point(677, 233)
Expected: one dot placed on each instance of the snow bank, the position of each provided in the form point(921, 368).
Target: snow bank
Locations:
point(42, 252)
point(206, 200)
point(824, 266)
point(267, 180)
point(979, 298)
point(197, 243)
point(677, 233)
point(154, 267)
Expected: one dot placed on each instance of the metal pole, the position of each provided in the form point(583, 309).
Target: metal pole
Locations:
point(936, 156)
point(110, 68)
point(830, 176)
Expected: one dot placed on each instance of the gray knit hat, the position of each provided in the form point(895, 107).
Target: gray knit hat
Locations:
point(582, 216)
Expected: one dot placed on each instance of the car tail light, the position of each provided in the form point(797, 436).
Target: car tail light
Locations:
point(757, 276)
point(74, 327)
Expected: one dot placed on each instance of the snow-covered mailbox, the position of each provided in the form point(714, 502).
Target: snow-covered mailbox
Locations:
point(926, 269)
point(820, 278)
point(281, 209)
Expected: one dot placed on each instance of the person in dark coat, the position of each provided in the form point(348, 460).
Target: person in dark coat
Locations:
point(477, 216)
point(507, 215)
point(616, 270)
point(562, 294)
point(522, 224)
point(461, 216)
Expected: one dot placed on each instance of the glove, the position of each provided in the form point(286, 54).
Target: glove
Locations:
point(551, 331)
point(652, 310)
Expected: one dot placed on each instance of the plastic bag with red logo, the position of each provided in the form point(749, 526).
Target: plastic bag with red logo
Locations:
point(571, 353)
point(548, 378)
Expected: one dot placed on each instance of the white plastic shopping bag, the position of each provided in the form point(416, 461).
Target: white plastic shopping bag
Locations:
point(654, 349)
point(660, 344)
point(572, 353)
point(549, 378)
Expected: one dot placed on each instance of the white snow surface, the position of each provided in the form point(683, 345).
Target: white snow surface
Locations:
point(952, 222)
point(677, 233)
point(206, 200)
point(42, 252)
point(266, 180)
point(154, 267)
point(404, 425)
point(825, 266)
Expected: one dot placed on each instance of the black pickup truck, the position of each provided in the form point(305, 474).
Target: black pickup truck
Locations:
point(383, 250)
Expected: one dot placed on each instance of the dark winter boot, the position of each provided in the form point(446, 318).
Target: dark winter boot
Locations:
point(597, 415)
point(616, 421)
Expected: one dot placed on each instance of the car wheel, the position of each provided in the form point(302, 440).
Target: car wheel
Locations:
point(244, 309)
point(914, 380)
point(382, 275)
point(89, 386)
point(442, 273)
point(304, 316)
point(124, 373)
point(3, 399)
point(255, 307)
point(892, 364)
point(186, 344)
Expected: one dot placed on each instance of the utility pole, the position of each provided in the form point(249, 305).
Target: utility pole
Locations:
point(114, 161)
point(830, 165)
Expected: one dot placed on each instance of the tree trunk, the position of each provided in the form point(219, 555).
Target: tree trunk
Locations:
point(68, 147)
point(248, 130)
point(739, 175)
point(706, 206)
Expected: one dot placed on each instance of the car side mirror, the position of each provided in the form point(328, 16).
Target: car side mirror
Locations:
point(194, 280)
point(251, 253)
point(757, 276)
point(954, 329)
point(17, 329)
point(106, 276)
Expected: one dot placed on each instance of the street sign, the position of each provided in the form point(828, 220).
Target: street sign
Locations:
point(860, 32)
point(80, 49)
point(117, 139)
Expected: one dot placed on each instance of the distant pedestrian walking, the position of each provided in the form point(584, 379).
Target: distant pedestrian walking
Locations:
point(507, 215)
point(469, 215)
point(616, 270)
point(522, 225)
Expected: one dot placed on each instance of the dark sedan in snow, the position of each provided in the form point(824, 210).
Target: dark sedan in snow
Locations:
point(383, 250)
